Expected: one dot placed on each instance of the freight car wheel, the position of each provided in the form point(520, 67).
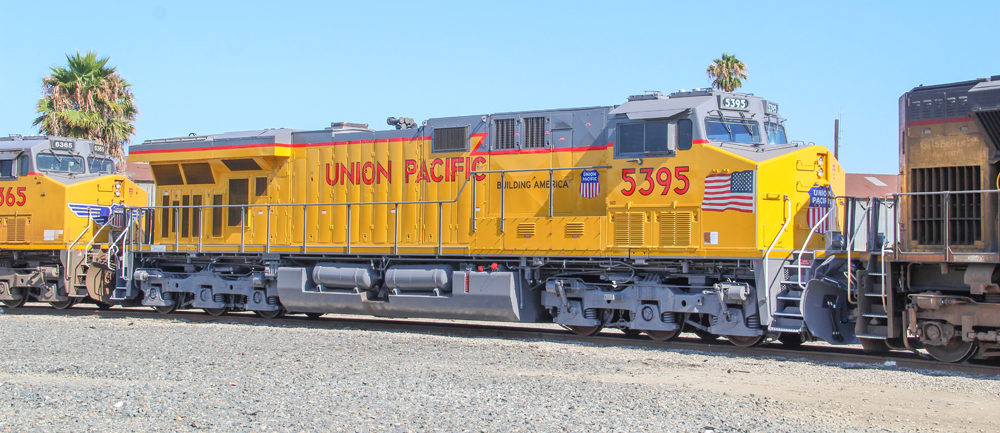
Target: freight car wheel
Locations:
point(955, 351)
point(217, 311)
point(63, 305)
point(586, 331)
point(746, 341)
point(270, 314)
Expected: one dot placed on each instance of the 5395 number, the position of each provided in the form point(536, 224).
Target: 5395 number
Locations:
point(652, 178)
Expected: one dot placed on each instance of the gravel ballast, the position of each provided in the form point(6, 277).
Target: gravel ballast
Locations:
point(97, 374)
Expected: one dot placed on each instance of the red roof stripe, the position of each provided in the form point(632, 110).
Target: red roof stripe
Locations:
point(939, 121)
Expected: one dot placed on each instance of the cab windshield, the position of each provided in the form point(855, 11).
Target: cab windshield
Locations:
point(101, 165)
point(60, 163)
point(775, 133)
point(732, 130)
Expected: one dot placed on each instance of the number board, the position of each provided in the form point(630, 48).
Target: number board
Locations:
point(99, 148)
point(63, 145)
point(731, 103)
point(770, 108)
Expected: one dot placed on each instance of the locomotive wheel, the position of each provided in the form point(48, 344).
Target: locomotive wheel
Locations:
point(790, 339)
point(16, 304)
point(873, 345)
point(167, 309)
point(663, 335)
point(314, 316)
point(63, 305)
point(217, 311)
point(746, 341)
point(271, 314)
point(586, 331)
point(955, 351)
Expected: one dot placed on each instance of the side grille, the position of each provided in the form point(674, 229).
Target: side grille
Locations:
point(630, 228)
point(503, 134)
point(526, 229)
point(574, 229)
point(17, 229)
point(965, 211)
point(534, 132)
point(991, 124)
point(675, 229)
point(939, 107)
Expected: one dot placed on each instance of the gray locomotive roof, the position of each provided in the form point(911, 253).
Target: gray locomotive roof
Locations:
point(660, 107)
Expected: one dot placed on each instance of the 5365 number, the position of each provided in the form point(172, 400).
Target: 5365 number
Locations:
point(662, 177)
point(7, 197)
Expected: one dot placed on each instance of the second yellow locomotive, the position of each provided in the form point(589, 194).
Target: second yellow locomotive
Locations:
point(663, 212)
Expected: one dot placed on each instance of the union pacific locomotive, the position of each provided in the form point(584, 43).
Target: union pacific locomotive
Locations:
point(61, 211)
point(689, 210)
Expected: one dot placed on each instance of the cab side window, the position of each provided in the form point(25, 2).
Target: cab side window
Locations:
point(7, 168)
point(642, 139)
point(22, 165)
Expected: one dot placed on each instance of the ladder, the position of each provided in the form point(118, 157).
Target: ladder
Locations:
point(878, 318)
point(796, 271)
point(119, 259)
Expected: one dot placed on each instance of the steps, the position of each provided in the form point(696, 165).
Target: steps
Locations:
point(787, 316)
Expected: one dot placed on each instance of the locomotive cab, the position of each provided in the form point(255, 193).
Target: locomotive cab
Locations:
point(62, 205)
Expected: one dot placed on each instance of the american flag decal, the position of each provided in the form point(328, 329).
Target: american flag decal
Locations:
point(729, 192)
point(590, 184)
point(819, 205)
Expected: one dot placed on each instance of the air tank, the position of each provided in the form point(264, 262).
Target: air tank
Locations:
point(419, 278)
point(343, 276)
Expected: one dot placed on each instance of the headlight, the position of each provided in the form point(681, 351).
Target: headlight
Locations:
point(819, 173)
point(118, 188)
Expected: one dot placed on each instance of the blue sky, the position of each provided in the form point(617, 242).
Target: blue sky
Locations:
point(210, 67)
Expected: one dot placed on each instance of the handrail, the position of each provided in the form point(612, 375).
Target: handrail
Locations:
point(304, 247)
point(805, 244)
point(767, 254)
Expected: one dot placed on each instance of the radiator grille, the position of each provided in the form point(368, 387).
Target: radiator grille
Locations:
point(17, 228)
point(534, 132)
point(630, 228)
point(675, 229)
point(965, 211)
point(574, 229)
point(991, 124)
point(939, 107)
point(503, 134)
point(526, 229)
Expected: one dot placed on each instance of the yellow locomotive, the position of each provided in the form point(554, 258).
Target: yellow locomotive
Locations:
point(61, 207)
point(688, 209)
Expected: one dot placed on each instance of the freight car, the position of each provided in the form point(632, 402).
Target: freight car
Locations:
point(61, 207)
point(668, 211)
point(937, 287)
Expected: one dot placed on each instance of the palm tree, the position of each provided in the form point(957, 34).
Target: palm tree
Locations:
point(88, 99)
point(726, 73)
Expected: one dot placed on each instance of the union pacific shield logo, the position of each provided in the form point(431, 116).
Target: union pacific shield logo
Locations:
point(590, 184)
point(99, 214)
point(819, 205)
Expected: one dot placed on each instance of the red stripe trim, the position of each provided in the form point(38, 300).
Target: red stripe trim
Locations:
point(292, 146)
point(35, 173)
point(940, 121)
point(699, 141)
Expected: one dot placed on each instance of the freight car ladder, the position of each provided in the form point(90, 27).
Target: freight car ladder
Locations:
point(878, 320)
point(788, 308)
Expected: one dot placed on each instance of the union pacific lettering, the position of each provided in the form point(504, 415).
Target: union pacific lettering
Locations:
point(437, 170)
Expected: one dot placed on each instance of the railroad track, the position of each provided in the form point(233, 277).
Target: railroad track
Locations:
point(807, 352)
